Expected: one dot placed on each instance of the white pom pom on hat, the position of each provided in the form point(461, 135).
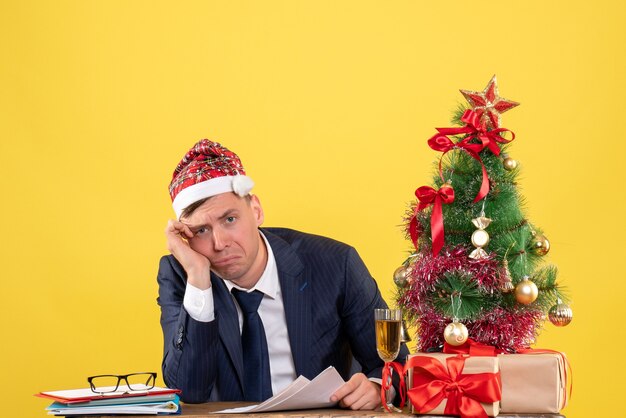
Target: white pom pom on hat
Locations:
point(242, 185)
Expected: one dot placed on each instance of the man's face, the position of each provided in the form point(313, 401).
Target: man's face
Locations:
point(225, 231)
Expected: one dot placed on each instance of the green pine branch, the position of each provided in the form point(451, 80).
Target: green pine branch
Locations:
point(457, 295)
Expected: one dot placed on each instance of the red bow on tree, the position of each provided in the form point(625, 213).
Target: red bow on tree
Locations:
point(433, 382)
point(428, 196)
point(474, 129)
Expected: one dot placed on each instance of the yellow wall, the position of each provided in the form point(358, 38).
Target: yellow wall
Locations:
point(329, 104)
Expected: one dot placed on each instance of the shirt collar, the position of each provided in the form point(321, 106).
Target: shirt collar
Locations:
point(268, 282)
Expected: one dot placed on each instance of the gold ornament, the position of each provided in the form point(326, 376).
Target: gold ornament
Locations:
point(526, 291)
point(541, 245)
point(509, 163)
point(455, 333)
point(560, 314)
point(405, 337)
point(507, 282)
point(401, 275)
point(480, 237)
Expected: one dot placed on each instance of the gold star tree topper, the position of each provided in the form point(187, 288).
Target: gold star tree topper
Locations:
point(488, 104)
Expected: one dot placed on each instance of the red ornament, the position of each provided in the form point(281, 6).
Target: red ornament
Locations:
point(488, 104)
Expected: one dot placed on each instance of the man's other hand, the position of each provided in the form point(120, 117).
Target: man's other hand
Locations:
point(197, 266)
point(358, 393)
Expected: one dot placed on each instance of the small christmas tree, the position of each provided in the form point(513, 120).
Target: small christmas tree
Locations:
point(477, 266)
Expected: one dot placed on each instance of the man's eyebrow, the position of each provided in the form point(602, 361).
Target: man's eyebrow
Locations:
point(226, 214)
point(229, 212)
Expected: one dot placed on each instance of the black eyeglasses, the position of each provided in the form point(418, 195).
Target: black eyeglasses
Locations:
point(107, 383)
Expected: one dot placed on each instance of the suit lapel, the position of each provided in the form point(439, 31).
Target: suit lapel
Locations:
point(296, 291)
point(228, 325)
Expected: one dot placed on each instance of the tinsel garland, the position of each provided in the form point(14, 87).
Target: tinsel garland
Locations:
point(427, 270)
point(508, 329)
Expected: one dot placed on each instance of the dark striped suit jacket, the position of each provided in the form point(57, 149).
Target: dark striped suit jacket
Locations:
point(329, 298)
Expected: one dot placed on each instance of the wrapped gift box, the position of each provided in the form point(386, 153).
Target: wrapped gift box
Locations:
point(473, 365)
point(533, 383)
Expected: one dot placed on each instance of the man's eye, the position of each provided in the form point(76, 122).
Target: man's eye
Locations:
point(201, 231)
point(230, 219)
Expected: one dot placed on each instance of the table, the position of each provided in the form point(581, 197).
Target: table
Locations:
point(204, 410)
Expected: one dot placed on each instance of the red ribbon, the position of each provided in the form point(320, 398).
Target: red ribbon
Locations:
point(428, 196)
point(472, 348)
point(433, 382)
point(440, 142)
point(473, 129)
point(387, 383)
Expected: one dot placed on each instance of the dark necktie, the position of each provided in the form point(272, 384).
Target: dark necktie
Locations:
point(257, 381)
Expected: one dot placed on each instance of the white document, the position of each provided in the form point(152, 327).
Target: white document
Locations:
point(301, 394)
point(87, 394)
point(149, 408)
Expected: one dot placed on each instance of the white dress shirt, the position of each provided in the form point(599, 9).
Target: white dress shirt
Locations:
point(199, 304)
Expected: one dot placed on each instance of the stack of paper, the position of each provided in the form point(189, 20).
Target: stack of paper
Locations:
point(301, 394)
point(154, 401)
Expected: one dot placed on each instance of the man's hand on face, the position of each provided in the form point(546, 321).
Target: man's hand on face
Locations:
point(358, 393)
point(196, 265)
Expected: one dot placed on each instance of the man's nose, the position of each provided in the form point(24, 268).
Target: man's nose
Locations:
point(220, 240)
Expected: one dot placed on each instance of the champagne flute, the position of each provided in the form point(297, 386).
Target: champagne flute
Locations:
point(388, 324)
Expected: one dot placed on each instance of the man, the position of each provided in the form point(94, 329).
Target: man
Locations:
point(244, 309)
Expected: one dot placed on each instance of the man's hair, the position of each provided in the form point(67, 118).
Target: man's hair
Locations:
point(189, 210)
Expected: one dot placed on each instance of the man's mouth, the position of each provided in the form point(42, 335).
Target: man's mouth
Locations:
point(224, 261)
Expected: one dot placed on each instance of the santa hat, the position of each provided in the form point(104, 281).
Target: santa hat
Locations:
point(208, 169)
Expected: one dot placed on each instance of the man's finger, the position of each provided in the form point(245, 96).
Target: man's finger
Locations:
point(356, 399)
point(187, 231)
point(178, 229)
point(359, 393)
point(359, 403)
point(343, 391)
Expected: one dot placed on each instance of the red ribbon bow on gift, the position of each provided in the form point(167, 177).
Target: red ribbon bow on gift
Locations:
point(474, 129)
point(477, 349)
point(428, 196)
point(433, 382)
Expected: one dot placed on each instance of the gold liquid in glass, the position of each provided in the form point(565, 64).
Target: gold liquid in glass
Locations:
point(388, 325)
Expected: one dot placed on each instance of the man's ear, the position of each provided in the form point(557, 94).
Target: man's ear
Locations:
point(257, 209)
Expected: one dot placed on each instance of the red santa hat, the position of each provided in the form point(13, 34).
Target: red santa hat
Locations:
point(208, 169)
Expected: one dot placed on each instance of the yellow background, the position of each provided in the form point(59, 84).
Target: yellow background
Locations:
point(329, 104)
